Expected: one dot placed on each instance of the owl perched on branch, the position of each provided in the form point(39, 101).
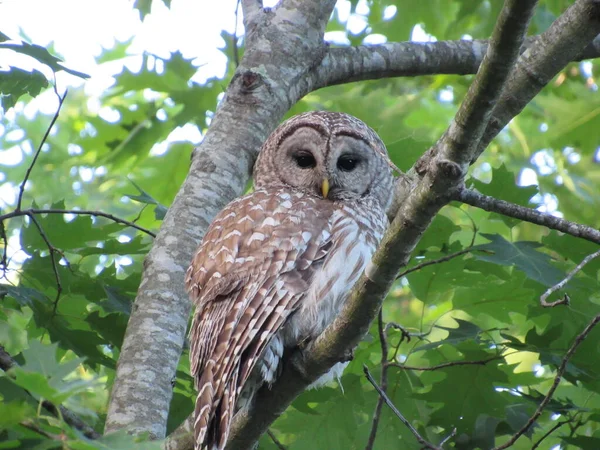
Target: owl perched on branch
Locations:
point(276, 265)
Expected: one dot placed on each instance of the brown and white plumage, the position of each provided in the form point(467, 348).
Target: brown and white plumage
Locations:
point(276, 265)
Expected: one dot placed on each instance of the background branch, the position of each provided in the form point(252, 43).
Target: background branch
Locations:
point(473, 198)
point(403, 419)
point(408, 59)
point(556, 287)
point(39, 149)
point(76, 212)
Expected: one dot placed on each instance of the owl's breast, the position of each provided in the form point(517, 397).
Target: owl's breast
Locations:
point(356, 230)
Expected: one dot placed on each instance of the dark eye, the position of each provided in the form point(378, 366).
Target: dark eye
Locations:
point(305, 160)
point(347, 163)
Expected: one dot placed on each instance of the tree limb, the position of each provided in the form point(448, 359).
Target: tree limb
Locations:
point(75, 212)
point(568, 36)
point(408, 59)
point(473, 198)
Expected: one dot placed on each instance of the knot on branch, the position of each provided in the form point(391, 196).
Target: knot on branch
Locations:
point(248, 81)
point(449, 170)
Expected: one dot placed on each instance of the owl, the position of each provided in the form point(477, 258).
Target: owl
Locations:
point(276, 265)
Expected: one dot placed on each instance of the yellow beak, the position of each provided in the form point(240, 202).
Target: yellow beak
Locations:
point(325, 187)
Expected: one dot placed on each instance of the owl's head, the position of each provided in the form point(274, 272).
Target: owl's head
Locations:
point(329, 154)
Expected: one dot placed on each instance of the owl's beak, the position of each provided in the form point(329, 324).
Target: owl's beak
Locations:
point(325, 187)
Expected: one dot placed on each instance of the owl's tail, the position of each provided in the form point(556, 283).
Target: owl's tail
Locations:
point(213, 413)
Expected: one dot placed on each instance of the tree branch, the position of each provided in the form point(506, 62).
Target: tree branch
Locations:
point(549, 432)
point(6, 362)
point(480, 362)
point(409, 59)
point(568, 36)
point(403, 419)
point(556, 287)
point(559, 372)
point(460, 142)
point(39, 149)
point(382, 381)
point(77, 212)
point(53, 250)
point(487, 203)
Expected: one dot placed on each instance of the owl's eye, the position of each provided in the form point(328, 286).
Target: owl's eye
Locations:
point(305, 159)
point(347, 163)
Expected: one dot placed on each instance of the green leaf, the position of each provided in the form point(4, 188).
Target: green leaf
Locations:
point(42, 55)
point(17, 82)
point(523, 255)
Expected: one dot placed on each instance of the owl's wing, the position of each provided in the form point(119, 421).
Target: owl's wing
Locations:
point(249, 274)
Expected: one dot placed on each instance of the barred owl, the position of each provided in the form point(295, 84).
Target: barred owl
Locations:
point(276, 265)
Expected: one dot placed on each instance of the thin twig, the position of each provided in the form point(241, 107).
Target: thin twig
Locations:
point(80, 212)
point(556, 287)
point(403, 419)
point(559, 372)
point(4, 260)
point(552, 430)
point(447, 438)
point(39, 149)
point(382, 380)
point(440, 260)
point(487, 203)
point(53, 250)
point(276, 441)
point(481, 362)
point(33, 427)
point(234, 40)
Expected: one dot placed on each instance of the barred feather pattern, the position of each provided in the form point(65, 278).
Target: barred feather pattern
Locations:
point(265, 256)
point(276, 265)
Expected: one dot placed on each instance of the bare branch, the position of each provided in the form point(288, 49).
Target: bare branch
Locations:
point(382, 381)
point(276, 441)
point(234, 40)
point(77, 212)
point(440, 260)
point(559, 373)
point(556, 287)
point(33, 427)
point(549, 432)
point(403, 419)
point(481, 362)
point(461, 140)
point(409, 59)
point(473, 198)
point(53, 251)
point(566, 38)
point(6, 362)
point(39, 149)
point(253, 12)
